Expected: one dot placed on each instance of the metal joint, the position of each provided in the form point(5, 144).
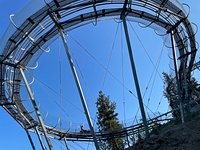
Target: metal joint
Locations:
point(95, 9)
point(124, 9)
point(174, 27)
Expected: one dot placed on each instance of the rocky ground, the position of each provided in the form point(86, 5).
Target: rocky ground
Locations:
point(174, 137)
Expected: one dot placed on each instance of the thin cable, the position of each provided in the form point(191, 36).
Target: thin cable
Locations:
point(60, 107)
point(88, 145)
point(145, 50)
point(82, 76)
point(63, 97)
point(79, 145)
point(70, 145)
point(157, 67)
point(135, 118)
point(60, 77)
point(110, 56)
point(99, 63)
point(147, 112)
point(55, 92)
point(122, 63)
point(79, 69)
point(159, 103)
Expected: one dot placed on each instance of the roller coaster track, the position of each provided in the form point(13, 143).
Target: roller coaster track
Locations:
point(38, 30)
point(126, 131)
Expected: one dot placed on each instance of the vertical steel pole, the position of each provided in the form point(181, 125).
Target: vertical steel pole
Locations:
point(40, 139)
point(36, 110)
point(177, 76)
point(65, 140)
point(79, 87)
point(137, 86)
point(30, 139)
point(21, 115)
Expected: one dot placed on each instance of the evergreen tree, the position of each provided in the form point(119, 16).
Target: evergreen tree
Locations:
point(171, 93)
point(107, 121)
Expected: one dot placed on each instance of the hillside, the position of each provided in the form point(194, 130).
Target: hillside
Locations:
point(174, 137)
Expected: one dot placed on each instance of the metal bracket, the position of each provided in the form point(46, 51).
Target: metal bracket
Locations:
point(186, 54)
point(173, 28)
point(95, 9)
point(124, 9)
point(4, 103)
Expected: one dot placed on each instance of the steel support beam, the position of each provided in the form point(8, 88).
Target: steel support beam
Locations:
point(24, 126)
point(39, 138)
point(94, 7)
point(36, 110)
point(137, 86)
point(80, 91)
point(65, 141)
point(30, 139)
point(176, 74)
point(22, 116)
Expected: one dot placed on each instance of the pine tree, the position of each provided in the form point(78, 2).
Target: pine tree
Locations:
point(171, 93)
point(107, 121)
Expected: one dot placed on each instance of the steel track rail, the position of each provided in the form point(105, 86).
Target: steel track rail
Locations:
point(41, 28)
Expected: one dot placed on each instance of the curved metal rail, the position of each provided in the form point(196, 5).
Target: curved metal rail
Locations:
point(38, 30)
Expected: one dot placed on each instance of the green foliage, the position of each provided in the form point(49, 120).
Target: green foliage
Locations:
point(107, 121)
point(171, 93)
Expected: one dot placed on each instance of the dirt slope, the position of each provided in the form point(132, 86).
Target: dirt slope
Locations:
point(178, 137)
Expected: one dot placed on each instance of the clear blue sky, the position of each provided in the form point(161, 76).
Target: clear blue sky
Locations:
point(98, 40)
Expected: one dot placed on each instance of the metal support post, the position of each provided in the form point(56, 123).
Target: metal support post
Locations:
point(30, 139)
point(137, 86)
point(79, 87)
point(176, 73)
point(28, 134)
point(127, 139)
point(65, 140)
point(186, 99)
point(24, 126)
point(40, 139)
point(36, 110)
point(22, 116)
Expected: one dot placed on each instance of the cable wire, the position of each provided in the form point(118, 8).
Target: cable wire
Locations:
point(122, 64)
point(145, 49)
point(99, 63)
point(60, 77)
point(110, 56)
point(57, 93)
